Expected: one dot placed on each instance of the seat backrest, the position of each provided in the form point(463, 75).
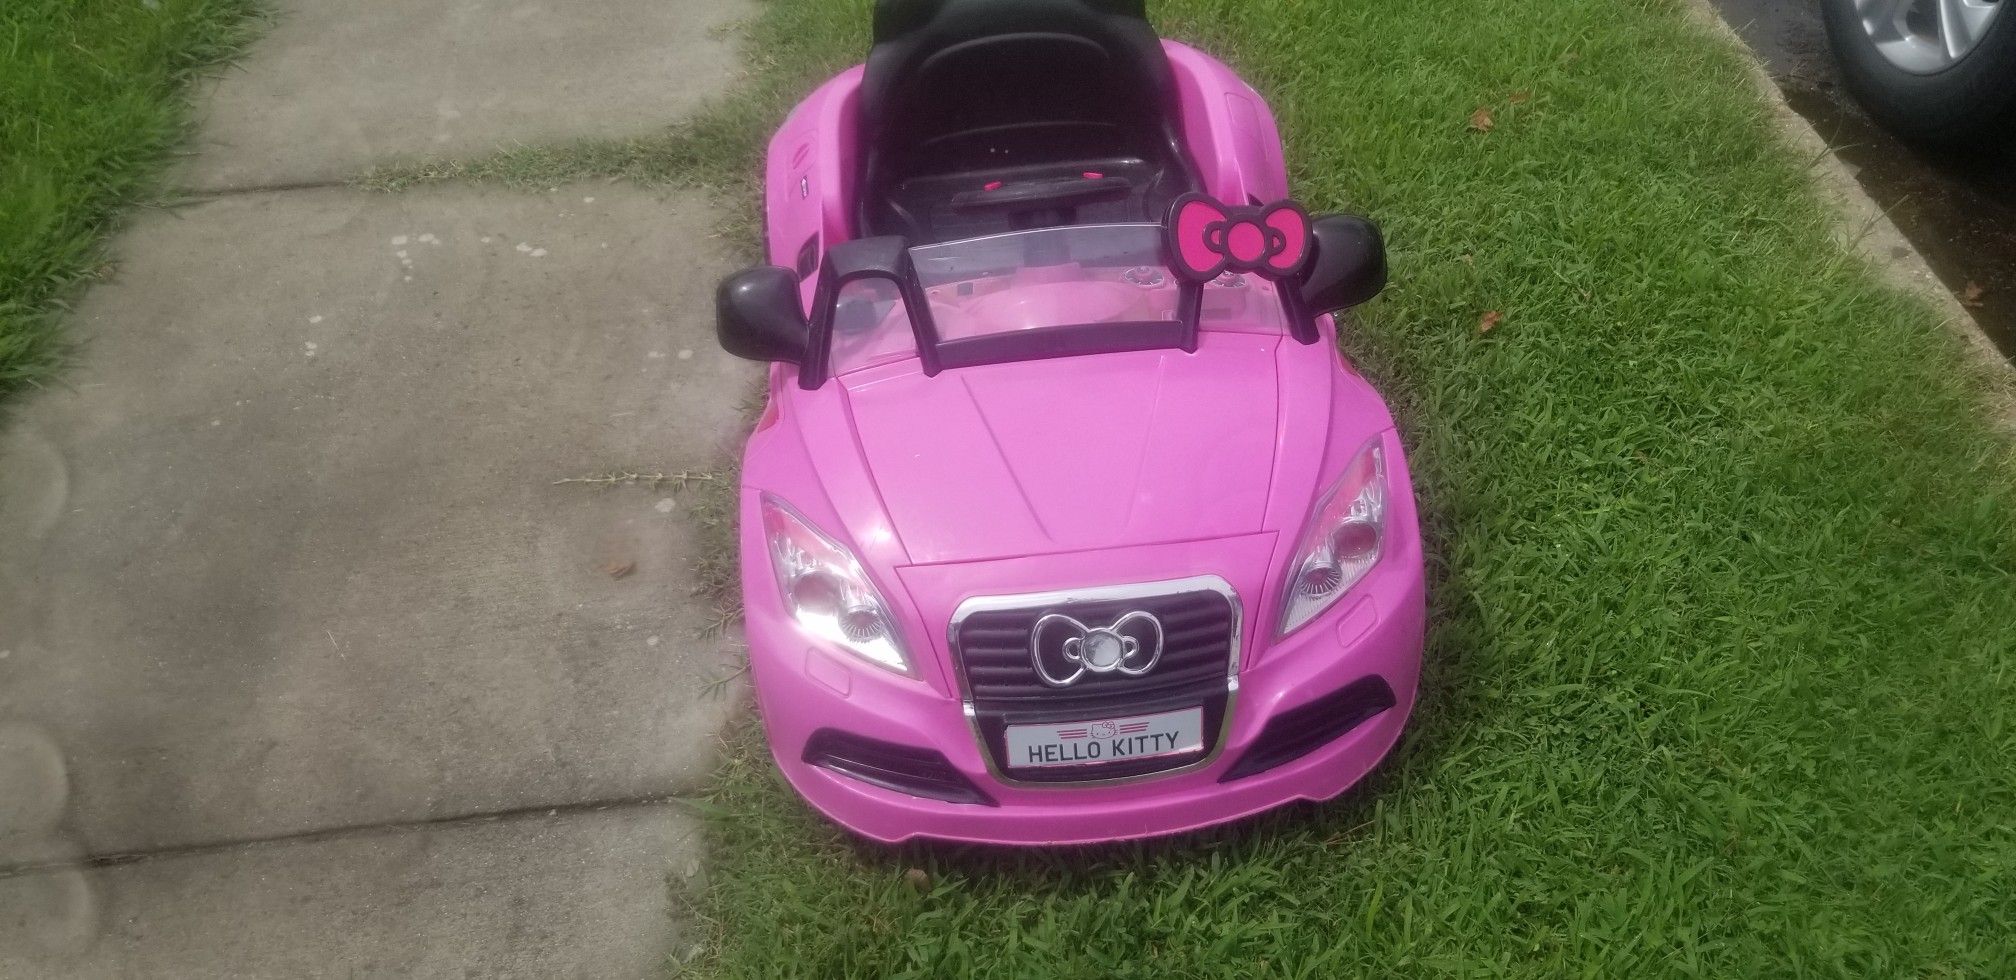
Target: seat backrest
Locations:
point(970, 88)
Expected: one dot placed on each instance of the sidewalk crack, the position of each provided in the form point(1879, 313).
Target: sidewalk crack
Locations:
point(386, 828)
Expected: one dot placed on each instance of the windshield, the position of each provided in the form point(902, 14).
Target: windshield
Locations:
point(1108, 276)
point(1072, 276)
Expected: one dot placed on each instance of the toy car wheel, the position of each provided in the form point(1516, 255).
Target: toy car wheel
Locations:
point(1942, 72)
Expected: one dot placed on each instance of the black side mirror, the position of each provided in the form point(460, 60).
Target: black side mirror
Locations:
point(1349, 266)
point(757, 316)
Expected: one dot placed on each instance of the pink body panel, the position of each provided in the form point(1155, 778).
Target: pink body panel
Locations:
point(802, 688)
point(1229, 129)
point(808, 177)
point(1012, 470)
point(1064, 474)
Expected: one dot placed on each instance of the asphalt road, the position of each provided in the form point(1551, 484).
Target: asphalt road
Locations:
point(1960, 214)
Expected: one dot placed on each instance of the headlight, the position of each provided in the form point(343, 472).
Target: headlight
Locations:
point(1342, 541)
point(826, 591)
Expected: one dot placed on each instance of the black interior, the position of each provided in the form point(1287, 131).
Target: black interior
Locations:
point(985, 116)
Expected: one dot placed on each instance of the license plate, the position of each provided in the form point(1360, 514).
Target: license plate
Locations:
point(1084, 743)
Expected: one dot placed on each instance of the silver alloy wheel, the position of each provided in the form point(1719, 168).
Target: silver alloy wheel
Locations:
point(1925, 37)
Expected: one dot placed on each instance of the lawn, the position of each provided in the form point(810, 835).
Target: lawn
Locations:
point(91, 103)
point(1719, 679)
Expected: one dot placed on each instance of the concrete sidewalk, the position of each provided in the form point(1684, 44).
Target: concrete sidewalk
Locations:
point(291, 608)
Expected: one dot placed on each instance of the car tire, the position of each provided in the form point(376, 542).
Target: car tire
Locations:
point(1968, 105)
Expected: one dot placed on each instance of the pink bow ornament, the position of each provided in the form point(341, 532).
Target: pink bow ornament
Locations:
point(1207, 239)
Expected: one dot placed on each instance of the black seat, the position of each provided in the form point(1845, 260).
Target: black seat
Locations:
point(983, 116)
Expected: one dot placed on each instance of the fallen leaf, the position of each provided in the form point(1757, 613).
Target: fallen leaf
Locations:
point(1489, 322)
point(1520, 97)
point(1971, 296)
point(918, 879)
point(1481, 120)
point(619, 569)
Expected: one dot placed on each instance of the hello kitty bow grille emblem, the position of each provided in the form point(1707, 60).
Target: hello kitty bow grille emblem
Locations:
point(1064, 650)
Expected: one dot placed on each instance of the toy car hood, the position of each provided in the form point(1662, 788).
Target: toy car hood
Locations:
point(1074, 454)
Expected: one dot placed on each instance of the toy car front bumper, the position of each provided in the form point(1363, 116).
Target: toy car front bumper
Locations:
point(812, 699)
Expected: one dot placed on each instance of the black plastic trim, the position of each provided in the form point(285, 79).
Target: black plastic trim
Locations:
point(865, 258)
point(1067, 341)
point(808, 258)
point(900, 768)
point(1305, 728)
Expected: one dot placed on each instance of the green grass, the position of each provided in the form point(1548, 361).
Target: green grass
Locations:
point(1719, 679)
point(91, 103)
point(719, 149)
point(1721, 554)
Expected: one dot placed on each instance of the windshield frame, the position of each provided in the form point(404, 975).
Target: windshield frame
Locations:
point(889, 258)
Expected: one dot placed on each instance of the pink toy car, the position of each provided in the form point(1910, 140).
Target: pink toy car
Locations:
point(1064, 522)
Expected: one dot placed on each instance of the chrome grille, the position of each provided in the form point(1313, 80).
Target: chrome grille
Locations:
point(993, 649)
point(990, 648)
